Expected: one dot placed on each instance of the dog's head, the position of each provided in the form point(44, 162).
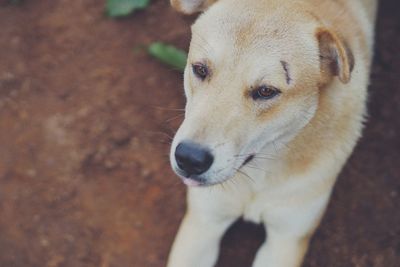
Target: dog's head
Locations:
point(254, 76)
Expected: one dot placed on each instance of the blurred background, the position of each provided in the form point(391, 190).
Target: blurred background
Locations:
point(86, 116)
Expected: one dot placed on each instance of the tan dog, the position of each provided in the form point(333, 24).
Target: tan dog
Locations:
point(276, 93)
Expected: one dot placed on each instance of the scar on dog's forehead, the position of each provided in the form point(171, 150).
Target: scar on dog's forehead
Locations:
point(285, 66)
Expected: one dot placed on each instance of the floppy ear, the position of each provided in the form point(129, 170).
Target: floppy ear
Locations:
point(336, 57)
point(191, 6)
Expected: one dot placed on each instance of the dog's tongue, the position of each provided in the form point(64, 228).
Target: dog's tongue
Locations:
point(190, 182)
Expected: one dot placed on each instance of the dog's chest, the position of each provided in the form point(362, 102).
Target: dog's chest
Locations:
point(254, 210)
point(255, 203)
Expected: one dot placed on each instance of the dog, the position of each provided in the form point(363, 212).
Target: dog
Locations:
point(276, 99)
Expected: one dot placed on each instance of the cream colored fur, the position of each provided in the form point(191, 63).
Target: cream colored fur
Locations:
point(301, 139)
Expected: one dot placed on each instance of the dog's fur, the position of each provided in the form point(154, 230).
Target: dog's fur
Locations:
point(318, 53)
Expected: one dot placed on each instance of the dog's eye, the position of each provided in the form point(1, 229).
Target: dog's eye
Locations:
point(265, 92)
point(200, 70)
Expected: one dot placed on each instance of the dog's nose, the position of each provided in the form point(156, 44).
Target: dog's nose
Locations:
point(193, 158)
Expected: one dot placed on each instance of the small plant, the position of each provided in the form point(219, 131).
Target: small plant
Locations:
point(169, 55)
point(165, 53)
point(123, 8)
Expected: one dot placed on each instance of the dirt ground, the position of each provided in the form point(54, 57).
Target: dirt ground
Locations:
point(84, 132)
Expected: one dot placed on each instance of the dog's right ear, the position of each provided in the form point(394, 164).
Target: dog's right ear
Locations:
point(191, 6)
point(336, 56)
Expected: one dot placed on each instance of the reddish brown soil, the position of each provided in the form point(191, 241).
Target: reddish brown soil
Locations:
point(84, 175)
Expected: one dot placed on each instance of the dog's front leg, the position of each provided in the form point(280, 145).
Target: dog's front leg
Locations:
point(198, 239)
point(289, 229)
point(197, 242)
point(281, 251)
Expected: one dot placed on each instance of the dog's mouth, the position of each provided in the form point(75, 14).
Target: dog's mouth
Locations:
point(199, 181)
point(247, 160)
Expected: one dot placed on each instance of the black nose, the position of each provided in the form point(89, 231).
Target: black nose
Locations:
point(193, 158)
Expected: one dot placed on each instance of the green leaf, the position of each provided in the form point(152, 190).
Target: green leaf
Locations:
point(121, 8)
point(169, 55)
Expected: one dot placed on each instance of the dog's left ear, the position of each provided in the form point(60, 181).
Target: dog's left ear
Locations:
point(336, 57)
point(191, 6)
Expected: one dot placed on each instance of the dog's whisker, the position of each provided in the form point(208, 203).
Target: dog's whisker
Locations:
point(160, 133)
point(168, 109)
point(257, 168)
point(252, 154)
point(175, 117)
point(164, 142)
point(245, 174)
point(265, 158)
point(258, 156)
